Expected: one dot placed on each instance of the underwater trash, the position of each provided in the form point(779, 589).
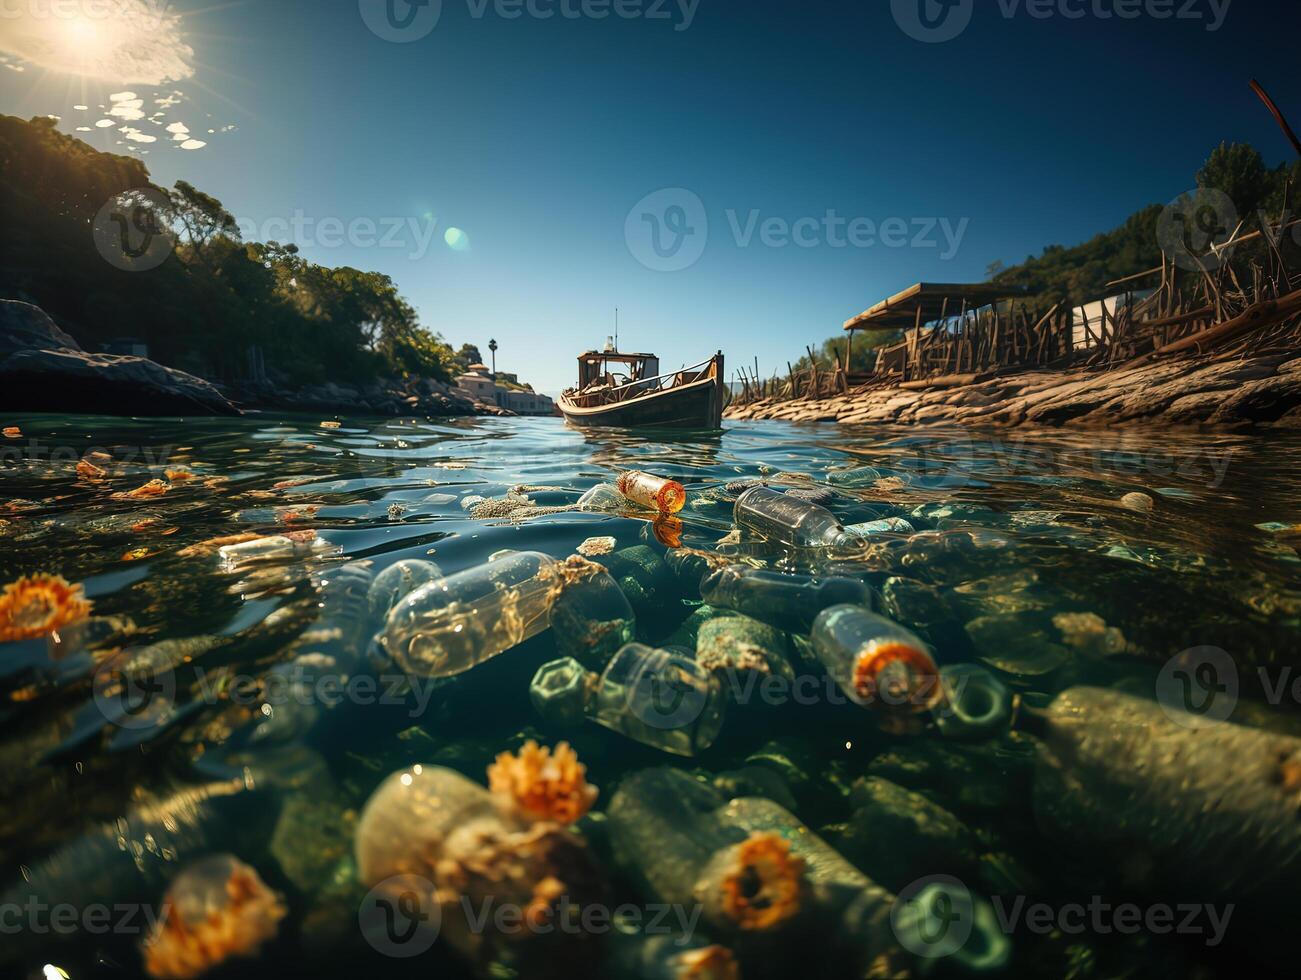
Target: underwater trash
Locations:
point(11, 432)
point(38, 605)
point(591, 618)
point(814, 495)
point(661, 699)
point(453, 624)
point(398, 581)
point(87, 470)
point(886, 525)
point(677, 838)
point(652, 492)
point(857, 477)
point(881, 934)
point(739, 643)
point(783, 519)
point(432, 838)
point(604, 498)
point(543, 784)
point(976, 705)
point(1212, 805)
point(272, 548)
point(643, 576)
point(592, 547)
point(154, 488)
point(1089, 634)
point(1015, 645)
point(131, 859)
point(217, 908)
point(787, 601)
point(877, 663)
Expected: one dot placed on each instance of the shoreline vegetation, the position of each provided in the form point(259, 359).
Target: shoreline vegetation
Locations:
point(123, 266)
point(1184, 315)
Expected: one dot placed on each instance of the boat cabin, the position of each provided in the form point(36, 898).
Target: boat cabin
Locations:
point(611, 369)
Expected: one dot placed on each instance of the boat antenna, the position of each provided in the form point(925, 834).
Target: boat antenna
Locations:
point(616, 328)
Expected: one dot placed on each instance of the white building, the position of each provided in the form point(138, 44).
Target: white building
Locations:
point(479, 384)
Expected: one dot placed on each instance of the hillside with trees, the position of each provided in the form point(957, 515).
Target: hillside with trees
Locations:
point(214, 298)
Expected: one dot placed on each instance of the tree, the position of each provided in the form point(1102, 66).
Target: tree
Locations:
point(1239, 171)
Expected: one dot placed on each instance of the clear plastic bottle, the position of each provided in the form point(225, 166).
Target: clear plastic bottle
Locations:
point(886, 525)
point(796, 523)
point(273, 548)
point(591, 618)
point(455, 623)
point(876, 662)
point(670, 832)
point(884, 936)
point(661, 699)
point(788, 602)
point(398, 581)
point(444, 847)
point(604, 498)
point(653, 492)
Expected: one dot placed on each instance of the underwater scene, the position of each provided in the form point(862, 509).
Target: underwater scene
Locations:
point(498, 698)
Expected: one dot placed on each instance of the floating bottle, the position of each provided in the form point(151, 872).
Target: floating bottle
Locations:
point(788, 602)
point(739, 644)
point(781, 519)
point(886, 525)
point(976, 705)
point(1211, 806)
point(604, 498)
point(591, 618)
point(273, 548)
point(661, 699)
point(455, 623)
point(882, 934)
point(442, 847)
point(216, 909)
point(652, 492)
point(397, 582)
point(671, 834)
point(877, 663)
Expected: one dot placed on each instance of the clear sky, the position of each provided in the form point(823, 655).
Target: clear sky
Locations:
point(538, 139)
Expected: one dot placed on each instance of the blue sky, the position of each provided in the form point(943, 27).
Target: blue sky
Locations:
point(537, 137)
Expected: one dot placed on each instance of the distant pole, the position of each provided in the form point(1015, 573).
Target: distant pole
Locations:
point(492, 346)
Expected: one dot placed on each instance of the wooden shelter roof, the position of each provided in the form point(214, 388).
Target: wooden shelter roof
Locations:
point(612, 355)
point(900, 311)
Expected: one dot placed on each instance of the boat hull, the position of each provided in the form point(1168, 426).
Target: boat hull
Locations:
point(698, 405)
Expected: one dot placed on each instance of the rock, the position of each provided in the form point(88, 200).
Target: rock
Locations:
point(42, 369)
point(23, 326)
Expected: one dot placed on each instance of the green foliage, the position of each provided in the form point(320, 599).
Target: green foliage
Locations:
point(862, 355)
point(213, 298)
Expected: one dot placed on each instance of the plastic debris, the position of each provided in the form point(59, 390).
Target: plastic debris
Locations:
point(653, 492)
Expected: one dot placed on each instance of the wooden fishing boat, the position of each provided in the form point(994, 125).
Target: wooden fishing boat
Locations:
point(635, 394)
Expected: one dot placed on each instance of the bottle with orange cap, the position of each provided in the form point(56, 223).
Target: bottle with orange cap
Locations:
point(653, 492)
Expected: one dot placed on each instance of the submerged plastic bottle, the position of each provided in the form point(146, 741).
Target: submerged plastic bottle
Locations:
point(602, 498)
point(670, 832)
point(397, 582)
point(455, 623)
point(661, 699)
point(877, 663)
point(883, 935)
point(788, 602)
point(1212, 806)
point(654, 492)
point(782, 519)
point(441, 847)
point(273, 548)
point(671, 956)
point(591, 617)
point(886, 525)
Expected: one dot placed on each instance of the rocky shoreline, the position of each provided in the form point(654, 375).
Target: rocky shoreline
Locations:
point(1242, 392)
point(43, 369)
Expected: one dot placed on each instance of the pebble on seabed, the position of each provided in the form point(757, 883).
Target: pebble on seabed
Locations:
point(1140, 502)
